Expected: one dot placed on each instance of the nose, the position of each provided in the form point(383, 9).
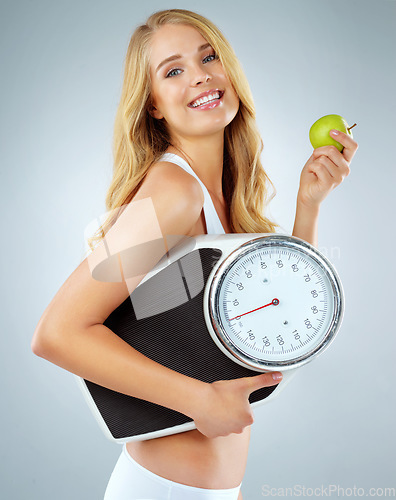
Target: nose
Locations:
point(200, 75)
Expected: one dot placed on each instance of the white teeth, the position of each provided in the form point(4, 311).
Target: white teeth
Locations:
point(206, 99)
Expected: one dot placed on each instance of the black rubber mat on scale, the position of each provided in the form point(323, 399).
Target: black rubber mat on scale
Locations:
point(176, 338)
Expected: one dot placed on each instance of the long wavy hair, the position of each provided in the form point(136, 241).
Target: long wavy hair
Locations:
point(140, 140)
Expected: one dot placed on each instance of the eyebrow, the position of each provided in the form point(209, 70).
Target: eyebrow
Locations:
point(178, 56)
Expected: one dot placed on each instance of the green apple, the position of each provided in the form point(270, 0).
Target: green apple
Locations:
point(319, 132)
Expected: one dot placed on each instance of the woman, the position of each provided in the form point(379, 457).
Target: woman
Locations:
point(184, 96)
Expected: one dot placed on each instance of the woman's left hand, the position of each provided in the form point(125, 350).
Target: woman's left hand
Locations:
point(326, 169)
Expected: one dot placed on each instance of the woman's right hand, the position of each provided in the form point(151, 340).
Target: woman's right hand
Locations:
point(225, 408)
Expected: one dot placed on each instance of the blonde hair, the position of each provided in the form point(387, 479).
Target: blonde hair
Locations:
point(140, 140)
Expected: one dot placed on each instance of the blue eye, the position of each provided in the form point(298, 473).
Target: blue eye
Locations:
point(171, 71)
point(204, 60)
point(211, 55)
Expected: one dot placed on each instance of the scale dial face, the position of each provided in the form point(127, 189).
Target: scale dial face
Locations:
point(275, 303)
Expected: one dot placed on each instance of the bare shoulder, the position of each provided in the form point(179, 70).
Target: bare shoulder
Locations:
point(176, 196)
point(178, 182)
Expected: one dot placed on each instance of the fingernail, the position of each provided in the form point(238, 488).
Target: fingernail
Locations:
point(334, 132)
point(277, 376)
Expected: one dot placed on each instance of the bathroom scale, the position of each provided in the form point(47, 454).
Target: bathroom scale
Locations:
point(219, 307)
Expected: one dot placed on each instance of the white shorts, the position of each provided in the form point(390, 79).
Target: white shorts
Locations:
point(130, 481)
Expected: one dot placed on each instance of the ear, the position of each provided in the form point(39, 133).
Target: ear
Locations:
point(153, 111)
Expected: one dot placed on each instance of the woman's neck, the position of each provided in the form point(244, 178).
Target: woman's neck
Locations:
point(205, 156)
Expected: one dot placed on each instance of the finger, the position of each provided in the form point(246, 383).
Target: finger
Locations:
point(264, 380)
point(350, 146)
point(331, 152)
point(324, 165)
point(325, 178)
point(337, 159)
point(326, 170)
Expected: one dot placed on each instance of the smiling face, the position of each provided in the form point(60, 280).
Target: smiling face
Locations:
point(182, 67)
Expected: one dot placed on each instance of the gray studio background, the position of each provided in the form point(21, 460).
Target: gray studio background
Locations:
point(61, 74)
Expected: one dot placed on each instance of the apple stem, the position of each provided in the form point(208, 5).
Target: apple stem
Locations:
point(354, 125)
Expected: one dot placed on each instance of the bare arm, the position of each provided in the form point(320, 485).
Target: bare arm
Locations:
point(71, 333)
point(324, 171)
point(95, 353)
point(306, 223)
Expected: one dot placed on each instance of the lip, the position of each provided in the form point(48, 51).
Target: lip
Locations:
point(204, 94)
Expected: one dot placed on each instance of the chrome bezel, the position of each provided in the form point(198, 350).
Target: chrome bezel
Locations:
point(219, 333)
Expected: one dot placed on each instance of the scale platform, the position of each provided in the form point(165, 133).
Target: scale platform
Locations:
point(176, 337)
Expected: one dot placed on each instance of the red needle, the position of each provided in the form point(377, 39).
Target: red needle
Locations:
point(274, 302)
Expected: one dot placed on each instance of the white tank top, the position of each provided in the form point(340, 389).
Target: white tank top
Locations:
point(213, 223)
